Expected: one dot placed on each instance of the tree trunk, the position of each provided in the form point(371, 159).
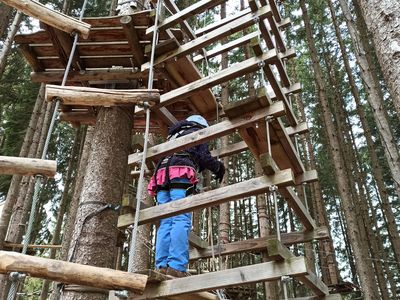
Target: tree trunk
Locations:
point(95, 234)
point(363, 266)
point(383, 22)
point(375, 99)
point(375, 166)
point(8, 42)
point(5, 17)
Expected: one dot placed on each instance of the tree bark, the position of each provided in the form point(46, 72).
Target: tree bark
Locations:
point(375, 166)
point(8, 42)
point(375, 99)
point(5, 17)
point(382, 18)
point(364, 268)
point(95, 234)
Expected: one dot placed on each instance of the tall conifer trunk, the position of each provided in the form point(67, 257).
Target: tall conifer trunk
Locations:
point(364, 268)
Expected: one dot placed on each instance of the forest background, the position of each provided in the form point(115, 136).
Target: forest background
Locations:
point(338, 60)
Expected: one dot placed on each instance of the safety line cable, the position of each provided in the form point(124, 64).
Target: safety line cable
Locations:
point(38, 178)
point(146, 140)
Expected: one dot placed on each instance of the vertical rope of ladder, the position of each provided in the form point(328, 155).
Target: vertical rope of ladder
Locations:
point(38, 178)
point(139, 191)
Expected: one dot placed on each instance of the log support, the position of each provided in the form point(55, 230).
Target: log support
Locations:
point(27, 166)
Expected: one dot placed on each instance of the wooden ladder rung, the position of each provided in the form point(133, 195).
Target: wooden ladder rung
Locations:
point(27, 166)
point(89, 96)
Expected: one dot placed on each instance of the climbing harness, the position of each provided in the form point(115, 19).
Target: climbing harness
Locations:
point(38, 178)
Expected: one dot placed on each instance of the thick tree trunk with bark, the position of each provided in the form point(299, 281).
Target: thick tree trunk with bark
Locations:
point(375, 98)
point(95, 234)
point(383, 21)
point(375, 166)
point(364, 268)
point(5, 17)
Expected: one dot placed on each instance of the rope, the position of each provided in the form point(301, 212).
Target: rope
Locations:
point(38, 178)
point(145, 146)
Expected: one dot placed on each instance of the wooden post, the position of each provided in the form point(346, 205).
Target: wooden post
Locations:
point(53, 18)
point(27, 166)
point(72, 273)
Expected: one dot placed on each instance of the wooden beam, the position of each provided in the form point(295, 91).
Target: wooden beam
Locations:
point(237, 70)
point(184, 24)
point(133, 40)
point(260, 244)
point(71, 273)
point(219, 33)
point(230, 150)
point(74, 95)
point(243, 275)
point(227, 47)
point(300, 128)
point(85, 75)
point(209, 133)
point(27, 166)
point(293, 89)
point(314, 283)
point(29, 53)
point(196, 242)
point(53, 18)
point(180, 16)
point(327, 297)
point(9, 245)
point(233, 192)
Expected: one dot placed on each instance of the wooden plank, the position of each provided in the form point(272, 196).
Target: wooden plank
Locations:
point(300, 128)
point(133, 39)
point(230, 150)
point(239, 69)
point(87, 75)
point(73, 95)
point(277, 251)
point(260, 244)
point(31, 57)
point(71, 273)
point(184, 24)
point(206, 134)
point(9, 245)
point(327, 297)
point(293, 89)
point(163, 47)
point(219, 33)
point(180, 16)
point(53, 18)
point(224, 194)
point(27, 166)
point(214, 280)
point(227, 47)
point(314, 283)
point(196, 241)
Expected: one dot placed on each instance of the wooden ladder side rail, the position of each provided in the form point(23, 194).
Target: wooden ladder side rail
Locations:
point(233, 192)
point(276, 86)
point(326, 297)
point(293, 89)
point(133, 40)
point(184, 24)
point(269, 167)
point(180, 16)
point(217, 34)
point(53, 18)
point(88, 96)
point(71, 273)
point(275, 10)
point(10, 165)
point(242, 275)
point(206, 134)
point(226, 47)
point(259, 244)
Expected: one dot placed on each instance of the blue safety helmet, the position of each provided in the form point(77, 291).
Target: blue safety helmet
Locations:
point(198, 119)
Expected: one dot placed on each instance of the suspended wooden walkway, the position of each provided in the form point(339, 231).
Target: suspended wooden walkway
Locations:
point(116, 53)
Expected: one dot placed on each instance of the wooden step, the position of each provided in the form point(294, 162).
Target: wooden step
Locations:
point(260, 244)
point(27, 166)
point(53, 18)
point(71, 273)
point(215, 280)
point(207, 134)
point(210, 198)
point(211, 37)
point(74, 95)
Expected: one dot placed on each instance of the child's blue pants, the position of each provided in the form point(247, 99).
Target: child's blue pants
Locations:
point(172, 244)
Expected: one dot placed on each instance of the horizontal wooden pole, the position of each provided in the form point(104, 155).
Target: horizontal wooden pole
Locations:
point(232, 192)
point(30, 246)
point(53, 18)
point(206, 134)
point(71, 273)
point(327, 297)
point(27, 166)
point(243, 275)
point(75, 95)
point(260, 244)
